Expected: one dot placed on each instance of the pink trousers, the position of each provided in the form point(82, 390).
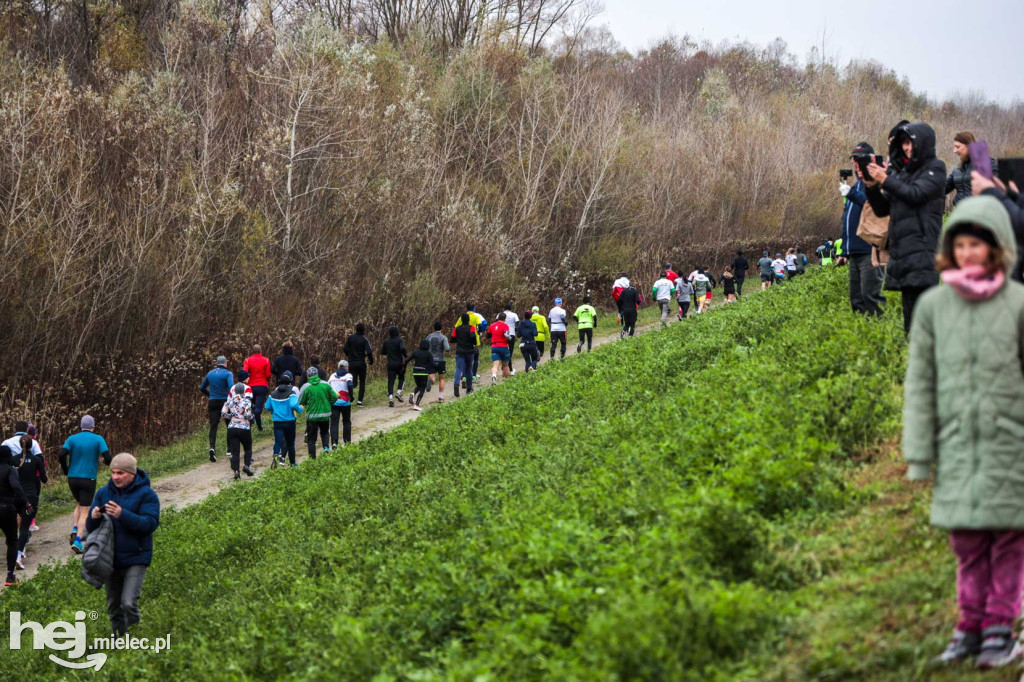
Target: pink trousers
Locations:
point(989, 577)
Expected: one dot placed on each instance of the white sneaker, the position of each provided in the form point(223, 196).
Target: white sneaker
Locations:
point(494, 380)
point(20, 561)
point(513, 371)
point(417, 408)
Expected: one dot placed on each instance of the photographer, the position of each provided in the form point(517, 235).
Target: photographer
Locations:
point(959, 180)
point(865, 279)
point(910, 190)
point(134, 508)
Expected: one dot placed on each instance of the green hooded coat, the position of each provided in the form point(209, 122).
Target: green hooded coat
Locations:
point(964, 390)
point(317, 396)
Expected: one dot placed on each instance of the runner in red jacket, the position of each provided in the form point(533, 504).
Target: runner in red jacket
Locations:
point(258, 367)
point(500, 353)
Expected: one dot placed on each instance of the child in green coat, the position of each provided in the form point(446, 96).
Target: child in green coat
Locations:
point(964, 414)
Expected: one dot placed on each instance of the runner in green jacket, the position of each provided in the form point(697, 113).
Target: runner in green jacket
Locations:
point(586, 319)
point(316, 399)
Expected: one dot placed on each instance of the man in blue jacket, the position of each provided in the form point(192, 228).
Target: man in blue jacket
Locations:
point(134, 509)
point(216, 385)
point(865, 279)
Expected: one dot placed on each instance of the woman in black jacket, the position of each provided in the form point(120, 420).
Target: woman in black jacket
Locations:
point(12, 503)
point(31, 475)
point(911, 191)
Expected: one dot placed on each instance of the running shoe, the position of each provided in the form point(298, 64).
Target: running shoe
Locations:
point(76, 546)
point(391, 402)
point(359, 403)
point(579, 347)
point(494, 380)
point(399, 396)
point(417, 408)
point(999, 647)
point(20, 561)
point(248, 470)
point(326, 449)
point(456, 390)
point(622, 334)
point(11, 580)
point(440, 398)
point(74, 534)
point(237, 476)
point(476, 377)
point(963, 645)
point(280, 460)
point(513, 372)
point(33, 527)
point(213, 455)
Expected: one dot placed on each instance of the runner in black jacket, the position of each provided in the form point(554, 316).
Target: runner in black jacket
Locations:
point(359, 353)
point(12, 503)
point(422, 367)
point(31, 475)
point(740, 265)
point(393, 350)
point(287, 362)
point(464, 336)
point(629, 302)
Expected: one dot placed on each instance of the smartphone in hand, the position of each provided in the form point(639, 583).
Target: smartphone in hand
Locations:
point(980, 159)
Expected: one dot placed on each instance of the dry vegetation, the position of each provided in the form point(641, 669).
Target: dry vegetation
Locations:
point(183, 177)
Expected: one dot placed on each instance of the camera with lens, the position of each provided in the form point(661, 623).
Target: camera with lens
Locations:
point(864, 160)
point(845, 173)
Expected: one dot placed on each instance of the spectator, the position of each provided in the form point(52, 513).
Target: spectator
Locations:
point(959, 180)
point(1011, 200)
point(912, 196)
point(865, 279)
point(134, 508)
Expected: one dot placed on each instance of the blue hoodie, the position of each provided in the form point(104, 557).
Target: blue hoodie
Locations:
point(140, 515)
point(283, 403)
point(852, 244)
point(217, 383)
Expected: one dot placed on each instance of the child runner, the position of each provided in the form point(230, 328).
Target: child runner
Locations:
point(238, 412)
point(423, 366)
point(964, 412)
point(586, 321)
point(779, 268)
point(316, 398)
point(729, 285)
point(343, 384)
point(283, 404)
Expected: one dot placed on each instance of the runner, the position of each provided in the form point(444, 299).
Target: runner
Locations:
point(779, 268)
point(258, 367)
point(314, 362)
point(343, 384)
point(740, 265)
point(238, 413)
point(31, 474)
point(670, 274)
point(287, 362)
point(243, 379)
point(359, 352)
point(662, 293)
point(80, 461)
point(629, 301)
point(729, 285)
point(542, 331)
point(12, 503)
point(527, 331)
point(466, 341)
point(32, 432)
point(512, 320)
point(500, 354)
point(438, 347)
point(283, 403)
point(316, 398)
point(706, 271)
point(801, 261)
point(790, 263)
point(701, 286)
point(766, 271)
point(422, 367)
point(684, 292)
point(618, 286)
point(393, 351)
point(480, 324)
point(557, 318)
point(586, 322)
point(215, 387)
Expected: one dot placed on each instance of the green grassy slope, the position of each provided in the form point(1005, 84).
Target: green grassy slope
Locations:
point(635, 512)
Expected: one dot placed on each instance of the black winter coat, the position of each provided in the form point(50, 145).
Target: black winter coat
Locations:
point(914, 200)
point(358, 350)
point(1017, 222)
point(394, 351)
point(960, 180)
point(630, 299)
point(287, 362)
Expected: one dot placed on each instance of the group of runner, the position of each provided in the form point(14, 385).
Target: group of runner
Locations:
point(779, 269)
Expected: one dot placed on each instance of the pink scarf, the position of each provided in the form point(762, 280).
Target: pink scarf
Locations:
point(973, 282)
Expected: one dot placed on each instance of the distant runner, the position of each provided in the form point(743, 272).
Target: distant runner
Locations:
point(316, 399)
point(238, 412)
point(258, 367)
point(422, 367)
point(586, 321)
point(542, 330)
point(527, 331)
point(512, 320)
point(393, 351)
point(766, 271)
point(438, 347)
point(359, 353)
point(80, 459)
point(284, 406)
point(557, 319)
point(684, 292)
point(662, 293)
point(629, 304)
point(343, 384)
point(500, 353)
point(466, 342)
point(216, 384)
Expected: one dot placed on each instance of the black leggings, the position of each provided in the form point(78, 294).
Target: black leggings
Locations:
point(312, 429)
point(237, 440)
point(739, 286)
point(259, 399)
point(684, 307)
point(587, 334)
point(540, 349)
point(629, 322)
point(9, 527)
point(342, 413)
point(358, 379)
point(395, 373)
point(26, 523)
point(421, 386)
point(556, 338)
point(530, 355)
point(910, 296)
point(214, 407)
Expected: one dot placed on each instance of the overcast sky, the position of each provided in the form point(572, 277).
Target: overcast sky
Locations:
point(931, 43)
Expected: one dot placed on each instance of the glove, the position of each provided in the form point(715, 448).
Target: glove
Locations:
point(30, 511)
point(844, 189)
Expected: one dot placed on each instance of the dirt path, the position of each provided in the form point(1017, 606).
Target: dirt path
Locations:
point(50, 542)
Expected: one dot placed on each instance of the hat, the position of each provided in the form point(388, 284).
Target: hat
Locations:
point(88, 423)
point(983, 217)
point(221, 360)
point(558, 301)
point(242, 375)
point(863, 148)
point(312, 372)
point(778, 255)
point(765, 254)
point(535, 309)
point(239, 388)
point(125, 462)
point(342, 364)
point(287, 377)
point(31, 430)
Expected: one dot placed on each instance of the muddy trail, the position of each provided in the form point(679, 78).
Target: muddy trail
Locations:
point(51, 542)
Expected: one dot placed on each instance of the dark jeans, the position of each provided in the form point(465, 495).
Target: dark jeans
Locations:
point(866, 285)
point(540, 349)
point(557, 338)
point(9, 526)
point(259, 399)
point(342, 413)
point(237, 440)
point(395, 373)
point(910, 296)
point(26, 523)
point(284, 439)
point(463, 365)
point(587, 334)
point(214, 407)
point(739, 287)
point(476, 363)
point(629, 322)
point(358, 379)
point(123, 591)
point(312, 430)
point(530, 355)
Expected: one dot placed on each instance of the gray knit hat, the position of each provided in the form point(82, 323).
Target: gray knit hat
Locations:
point(125, 462)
